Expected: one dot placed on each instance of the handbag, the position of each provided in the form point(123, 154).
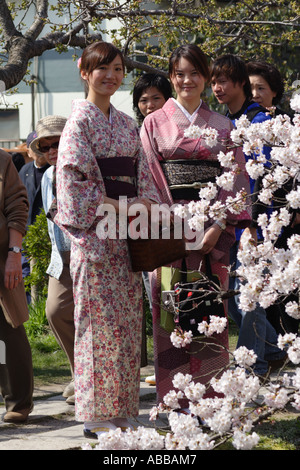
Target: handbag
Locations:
point(148, 254)
point(190, 301)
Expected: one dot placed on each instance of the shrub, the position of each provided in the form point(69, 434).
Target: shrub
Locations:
point(37, 248)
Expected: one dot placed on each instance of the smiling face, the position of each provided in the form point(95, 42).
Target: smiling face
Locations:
point(104, 80)
point(188, 83)
point(261, 91)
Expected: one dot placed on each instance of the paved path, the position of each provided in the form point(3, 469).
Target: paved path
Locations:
point(51, 425)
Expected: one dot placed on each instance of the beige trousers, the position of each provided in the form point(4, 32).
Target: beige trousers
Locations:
point(60, 312)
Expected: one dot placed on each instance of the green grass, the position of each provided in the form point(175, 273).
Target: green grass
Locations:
point(50, 363)
point(281, 432)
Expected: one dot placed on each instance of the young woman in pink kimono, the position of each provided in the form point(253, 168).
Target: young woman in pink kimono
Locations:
point(101, 158)
point(163, 140)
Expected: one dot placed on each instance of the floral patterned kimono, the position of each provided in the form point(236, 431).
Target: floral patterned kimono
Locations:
point(163, 139)
point(107, 295)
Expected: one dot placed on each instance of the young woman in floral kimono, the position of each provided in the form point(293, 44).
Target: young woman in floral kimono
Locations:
point(101, 158)
point(163, 140)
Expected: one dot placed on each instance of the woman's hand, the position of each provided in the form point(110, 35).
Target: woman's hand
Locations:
point(296, 220)
point(253, 235)
point(209, 241)
point(147, 203)
point(115, 207)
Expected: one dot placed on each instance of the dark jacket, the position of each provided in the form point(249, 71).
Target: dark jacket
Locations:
point(28, 177)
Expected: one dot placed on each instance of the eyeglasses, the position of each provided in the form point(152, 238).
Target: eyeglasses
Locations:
point(46, 148)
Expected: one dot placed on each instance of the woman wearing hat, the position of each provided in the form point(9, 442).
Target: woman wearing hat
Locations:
point(108, 295)
point(60, 304)
point(48, 132)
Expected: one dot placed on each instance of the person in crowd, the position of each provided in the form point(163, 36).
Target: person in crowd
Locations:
point(231, 87)
point(150, 93)
point(163, 140)
point(267, 85)
point(16, 372)
point(18, 160)
point(267, 88)
point(31, 175)
point(100, 159)
point(60, 303)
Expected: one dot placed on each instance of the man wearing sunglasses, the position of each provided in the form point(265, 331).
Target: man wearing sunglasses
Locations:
point(60, 304)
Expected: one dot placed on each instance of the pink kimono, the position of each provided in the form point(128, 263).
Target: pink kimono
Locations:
point(107, 295)
point(163, 139)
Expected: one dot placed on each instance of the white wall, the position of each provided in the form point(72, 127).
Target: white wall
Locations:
point(46, 103)
point(56, 103)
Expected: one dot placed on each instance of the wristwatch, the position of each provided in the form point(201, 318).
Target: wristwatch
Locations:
point(15, 249)
point(220, 224)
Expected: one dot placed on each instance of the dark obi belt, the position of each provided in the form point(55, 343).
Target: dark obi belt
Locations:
point(186, 177)
point(119, 176)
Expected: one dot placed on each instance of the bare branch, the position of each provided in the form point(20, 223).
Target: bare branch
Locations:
point(163, 27)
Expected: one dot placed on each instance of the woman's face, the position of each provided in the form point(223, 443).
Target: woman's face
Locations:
point(151, 100)
point(49, 147)
point(105, 79)
point(187, 81)
point(261, 91)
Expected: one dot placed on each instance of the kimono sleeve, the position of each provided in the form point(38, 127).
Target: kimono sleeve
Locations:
point(153, 158)
point(80, 188)
point(243, 219)
point(146, 185)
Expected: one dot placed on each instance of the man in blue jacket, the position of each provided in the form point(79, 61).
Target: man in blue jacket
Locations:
point(31, 176)
point(231, 87)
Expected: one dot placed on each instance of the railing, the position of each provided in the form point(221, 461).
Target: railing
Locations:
point(9, 143)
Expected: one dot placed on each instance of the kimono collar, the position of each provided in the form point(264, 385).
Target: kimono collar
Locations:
point(185, 112)
point(88, 105)
point(178, 122)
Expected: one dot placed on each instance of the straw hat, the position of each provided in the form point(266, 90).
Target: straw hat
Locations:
point(48, 126)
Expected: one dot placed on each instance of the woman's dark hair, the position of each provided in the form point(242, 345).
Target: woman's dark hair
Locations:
point(99, 53)
point(194, 55)
point(234, 68)
point(269, 73)
point(149, 80)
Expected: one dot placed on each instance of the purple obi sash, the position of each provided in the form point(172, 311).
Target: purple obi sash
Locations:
point(119, 176)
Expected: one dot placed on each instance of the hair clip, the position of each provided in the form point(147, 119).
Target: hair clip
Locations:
point(79, 63)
